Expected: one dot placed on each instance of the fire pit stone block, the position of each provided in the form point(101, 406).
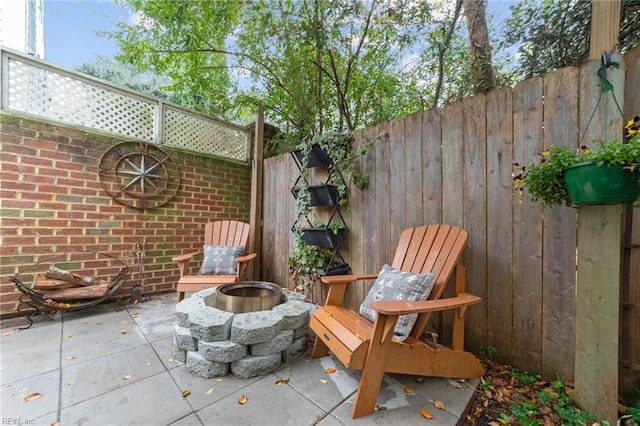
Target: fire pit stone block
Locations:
point(295, 314)
point(196, 364)
point(290, 296)
point(179, 355)
point(185, 307)
point(256, 327)
point(210, 324)
point(274, 346)
point(296, 349)
point(224, 351)
point(184, 339)
point(252, 366)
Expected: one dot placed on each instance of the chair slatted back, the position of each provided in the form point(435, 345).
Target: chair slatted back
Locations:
point(226, 233)
point(431, 248)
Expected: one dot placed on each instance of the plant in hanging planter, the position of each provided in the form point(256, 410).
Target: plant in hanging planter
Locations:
point(334, 148)
point(613, 170)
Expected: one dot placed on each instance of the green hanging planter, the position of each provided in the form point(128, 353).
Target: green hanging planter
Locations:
point(587, 183)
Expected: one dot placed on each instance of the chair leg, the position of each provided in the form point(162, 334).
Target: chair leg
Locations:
point(368, 391)
point(373, 370)
point(180, 296)
point(320, 349)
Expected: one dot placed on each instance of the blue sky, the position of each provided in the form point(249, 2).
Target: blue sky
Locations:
point(70, 28)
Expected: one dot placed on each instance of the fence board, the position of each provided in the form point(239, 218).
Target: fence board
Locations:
point(475, 207)
point(527, 131)
point(432, 164)
point(500, 227)
point(559, 232)
point(398, 200)
point(383, 200)
point(452, 160)
point(413, 173)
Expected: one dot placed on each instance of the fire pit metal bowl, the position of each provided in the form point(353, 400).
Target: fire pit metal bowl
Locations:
point(248, 296)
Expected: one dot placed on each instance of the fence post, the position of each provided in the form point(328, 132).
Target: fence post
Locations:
point(255, 214)
point(599, 250)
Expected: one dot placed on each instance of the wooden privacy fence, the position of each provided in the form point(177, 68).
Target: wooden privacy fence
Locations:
point(454, 166)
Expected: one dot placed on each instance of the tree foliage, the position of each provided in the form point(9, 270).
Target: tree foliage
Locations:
point(128, 76)
point(315, 64)
point(555, 33)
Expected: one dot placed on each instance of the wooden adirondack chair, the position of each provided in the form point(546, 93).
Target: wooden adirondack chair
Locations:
point(219, 233)
point(362, 345)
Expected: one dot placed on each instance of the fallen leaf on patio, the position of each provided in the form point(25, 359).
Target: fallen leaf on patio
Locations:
point(407, 389)
point(456, 385)
point(426, 414)
point(148, 364)
point(70, 336)
point(22, 390)
point(70, 383)
point(328, 314)
point(123, 331)
point(160, 337)
point(330, 370)
point(210, 391)
point(323, 381)
point(85, 322)
point(7, 386)
point(99, 322)
point(55, 424)
point(125, 322)
point(10, 333)
point(135, 314)
point(70, 357)
point(478, 412)
point(170, 359)
point(33, 397)
point(439, 405)
point(218, 380)
point(419, 379)
point(186, 393)
point(282, 381)
point(109, 353)
point(242, 399)
point(128, 376)
point(380, 407)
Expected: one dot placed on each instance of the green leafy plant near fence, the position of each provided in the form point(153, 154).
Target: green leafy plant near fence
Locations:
point(308, 260)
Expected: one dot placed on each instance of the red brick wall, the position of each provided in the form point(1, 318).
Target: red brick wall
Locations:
point(52, 202)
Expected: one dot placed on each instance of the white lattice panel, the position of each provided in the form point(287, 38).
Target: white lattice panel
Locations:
point(35, 87)
point(194, 133)
point(63, 98)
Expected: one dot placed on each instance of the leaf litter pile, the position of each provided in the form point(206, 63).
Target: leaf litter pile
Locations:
point(507, 396)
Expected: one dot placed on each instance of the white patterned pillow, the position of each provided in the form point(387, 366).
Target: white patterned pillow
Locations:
point(220, 260)
point(394, 284)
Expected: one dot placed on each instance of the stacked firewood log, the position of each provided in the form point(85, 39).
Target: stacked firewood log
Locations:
point(59, 285)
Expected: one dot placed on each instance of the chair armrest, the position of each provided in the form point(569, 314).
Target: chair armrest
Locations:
point(401, 307)
point(185, 257)
point(246, 257)
point(341, 279)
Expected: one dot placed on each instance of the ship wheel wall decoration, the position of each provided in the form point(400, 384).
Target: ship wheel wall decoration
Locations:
point(139, 174)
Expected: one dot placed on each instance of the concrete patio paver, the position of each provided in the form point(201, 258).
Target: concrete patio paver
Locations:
point(91, 372)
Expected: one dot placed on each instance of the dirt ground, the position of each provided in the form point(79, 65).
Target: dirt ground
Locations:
point(507, 396)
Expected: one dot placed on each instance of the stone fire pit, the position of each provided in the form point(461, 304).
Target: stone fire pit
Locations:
point(212, 341)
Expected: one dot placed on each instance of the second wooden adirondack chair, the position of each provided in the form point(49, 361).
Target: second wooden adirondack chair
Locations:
point(223, 263)
point(371, 346)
